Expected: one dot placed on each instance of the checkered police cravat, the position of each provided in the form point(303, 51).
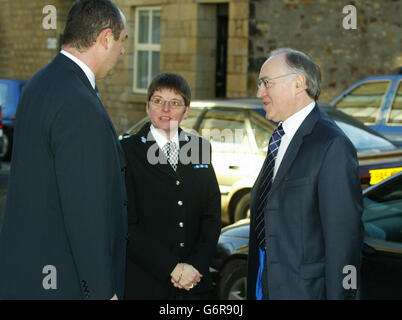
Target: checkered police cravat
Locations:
point(266, 182)
point(172, 154)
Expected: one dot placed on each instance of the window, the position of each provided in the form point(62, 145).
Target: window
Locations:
point(382, 215)
point(365, 101)
point(191, 121)
point(396, 109)
point(147, 47)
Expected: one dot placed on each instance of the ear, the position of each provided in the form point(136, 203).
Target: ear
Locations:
point(104, 38)
point(300, 83)
point(186, 112)
point(147, 109)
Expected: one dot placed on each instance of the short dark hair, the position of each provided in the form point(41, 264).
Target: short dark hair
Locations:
point(173, 82)
point(86, 20)
point(301, 63)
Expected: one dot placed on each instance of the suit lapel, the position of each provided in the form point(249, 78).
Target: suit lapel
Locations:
point(293, 149)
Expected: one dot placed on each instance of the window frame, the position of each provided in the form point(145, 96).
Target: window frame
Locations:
point(149, 47)
point(396, 87)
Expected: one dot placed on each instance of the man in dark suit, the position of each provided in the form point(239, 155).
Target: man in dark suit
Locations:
point(174, 204)
point(64, 228)
point(306, 232)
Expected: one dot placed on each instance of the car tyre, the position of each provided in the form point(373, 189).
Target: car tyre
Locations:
point(5, 153)
point(233, 283)
point(242, 208)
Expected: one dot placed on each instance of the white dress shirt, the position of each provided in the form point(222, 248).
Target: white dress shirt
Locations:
point(88, 72)
point(161, 139)
point(290, 126)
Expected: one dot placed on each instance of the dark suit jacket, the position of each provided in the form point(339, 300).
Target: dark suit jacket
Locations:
point(313, 222)
point(172, 216)
point(66, 192)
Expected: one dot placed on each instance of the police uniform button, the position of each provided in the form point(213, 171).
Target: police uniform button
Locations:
point(180, 203)
point(182, 244)
point(177, 182)
point(181, 224)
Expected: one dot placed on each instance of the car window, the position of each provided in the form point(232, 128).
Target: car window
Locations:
point(382, 215)
point(136, 127)
point(364, 141)
point(396, 109)
point(191, 120)
point(364, 102)
point(3, 93)
point(262, 129)
point(226, 130)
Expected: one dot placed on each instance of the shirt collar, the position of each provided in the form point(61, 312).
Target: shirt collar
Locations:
point(88, 72)
point(161, 139)
point(292, 124)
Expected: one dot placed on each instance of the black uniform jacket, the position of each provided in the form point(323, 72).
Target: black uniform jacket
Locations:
point(172, 216)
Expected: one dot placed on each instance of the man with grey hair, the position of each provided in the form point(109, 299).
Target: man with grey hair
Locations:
point(306, 204)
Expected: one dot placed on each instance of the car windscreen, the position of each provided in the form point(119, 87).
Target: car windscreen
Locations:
point(363, 138)
point(365, 141)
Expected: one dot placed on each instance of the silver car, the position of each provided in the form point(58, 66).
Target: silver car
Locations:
point(239, 135)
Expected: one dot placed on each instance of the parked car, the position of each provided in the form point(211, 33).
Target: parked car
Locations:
point(10, 91)
point(239, 135)
point(376, 101)
point(1, 134)
point(381, 255)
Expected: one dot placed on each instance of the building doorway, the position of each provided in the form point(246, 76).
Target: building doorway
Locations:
point(221, 50)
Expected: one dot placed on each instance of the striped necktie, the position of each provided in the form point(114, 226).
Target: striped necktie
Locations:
point(266, 183)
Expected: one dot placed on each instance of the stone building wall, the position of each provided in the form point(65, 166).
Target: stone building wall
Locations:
point(316, 27)
point(23, 40)
point(189, 36)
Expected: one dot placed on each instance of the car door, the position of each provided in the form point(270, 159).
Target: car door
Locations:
point(382, 251)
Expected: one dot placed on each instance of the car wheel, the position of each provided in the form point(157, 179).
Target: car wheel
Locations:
point(3, 151)
point(233, 284)
point(242, 208)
